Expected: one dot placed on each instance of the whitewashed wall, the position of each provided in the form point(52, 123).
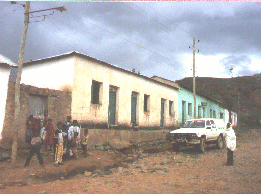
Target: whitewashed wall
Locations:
point(4, 76)
point(52, 74)
point(234, 118)
point(88, 70)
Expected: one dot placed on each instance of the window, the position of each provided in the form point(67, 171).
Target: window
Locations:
point(171, 107)
point(189, 108)
point(95, 96)
point(210, 113)
point(146, 103)
point(221, 115)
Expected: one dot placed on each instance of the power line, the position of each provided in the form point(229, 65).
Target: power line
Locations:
point(117, 35)
point(183, 40)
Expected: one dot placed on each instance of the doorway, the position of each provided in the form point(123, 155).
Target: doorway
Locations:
point(162, 113)
point(112, 106)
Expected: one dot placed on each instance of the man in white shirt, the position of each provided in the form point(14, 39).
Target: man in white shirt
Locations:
point(230, 137)
point(74, 128)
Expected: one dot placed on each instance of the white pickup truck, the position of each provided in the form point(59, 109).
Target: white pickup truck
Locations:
point(199, 132)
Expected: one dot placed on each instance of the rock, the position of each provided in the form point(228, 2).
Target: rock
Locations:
point(86, 173)
point(5, 156)
point(79, 176)
point(101, 148)
point(42, 192)
point(2, 186)
point(97, 172)
point(129, 158)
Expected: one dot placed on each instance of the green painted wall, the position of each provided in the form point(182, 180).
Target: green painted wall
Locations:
point(186, 106)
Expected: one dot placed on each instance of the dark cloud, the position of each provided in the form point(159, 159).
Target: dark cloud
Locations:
point(150, 37)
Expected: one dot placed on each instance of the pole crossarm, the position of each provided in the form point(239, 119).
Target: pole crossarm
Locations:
point(61, 9)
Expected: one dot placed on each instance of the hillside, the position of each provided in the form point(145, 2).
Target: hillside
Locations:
point(241, 94)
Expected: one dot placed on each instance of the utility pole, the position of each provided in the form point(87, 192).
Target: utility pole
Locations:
point(194, 80)
point(18, 78)
point(17, 85)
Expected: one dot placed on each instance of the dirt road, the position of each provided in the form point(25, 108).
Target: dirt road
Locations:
point(164, 172)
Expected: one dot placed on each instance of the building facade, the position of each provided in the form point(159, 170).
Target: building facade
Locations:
point(205, 106)
point(106, 96)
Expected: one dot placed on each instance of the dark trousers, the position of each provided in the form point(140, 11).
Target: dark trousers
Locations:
point(34, 150)
point(229, 157)
point(84, 149)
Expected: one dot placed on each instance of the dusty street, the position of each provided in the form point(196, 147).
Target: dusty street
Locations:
point(164, 172)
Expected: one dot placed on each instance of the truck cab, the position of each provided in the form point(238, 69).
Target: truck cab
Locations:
point(199, 132)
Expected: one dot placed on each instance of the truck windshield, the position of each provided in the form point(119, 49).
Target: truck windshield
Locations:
point(194, 124)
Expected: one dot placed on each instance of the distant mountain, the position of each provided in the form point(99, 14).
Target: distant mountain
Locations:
point(241, 94)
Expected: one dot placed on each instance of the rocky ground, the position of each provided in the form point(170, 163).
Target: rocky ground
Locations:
point(141, 172)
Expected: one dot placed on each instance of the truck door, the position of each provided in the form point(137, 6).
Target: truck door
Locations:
point(209, 130)
point(215, 130)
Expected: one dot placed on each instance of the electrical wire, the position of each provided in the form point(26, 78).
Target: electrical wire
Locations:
point(116, 35)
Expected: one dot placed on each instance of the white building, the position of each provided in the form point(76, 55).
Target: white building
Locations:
point(5, 70)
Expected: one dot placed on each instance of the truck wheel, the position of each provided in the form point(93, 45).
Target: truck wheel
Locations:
point(202, 145)
point(219, 142)
point(224, 142)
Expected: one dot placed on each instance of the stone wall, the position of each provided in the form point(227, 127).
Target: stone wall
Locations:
point(99, 137)
point(59, 107)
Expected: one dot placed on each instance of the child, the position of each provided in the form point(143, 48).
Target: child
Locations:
point(74, 141)
point(36, 143)
point(84, 141)
point(49, 134)
point(58, 145)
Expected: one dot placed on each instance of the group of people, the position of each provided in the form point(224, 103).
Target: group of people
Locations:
point(67, 137)
point(64, 140)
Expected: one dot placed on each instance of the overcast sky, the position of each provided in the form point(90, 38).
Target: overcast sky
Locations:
point(154, 38)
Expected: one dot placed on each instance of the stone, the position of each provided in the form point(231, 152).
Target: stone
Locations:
point(6, 155)
point(2, 186)
point(86, 173)
point(42, 192)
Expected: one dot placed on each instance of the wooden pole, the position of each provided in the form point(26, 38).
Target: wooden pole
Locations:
point(17, 85)
point(194, 81)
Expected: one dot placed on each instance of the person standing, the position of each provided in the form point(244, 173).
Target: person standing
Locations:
point(84, 141)
point(230, 138)
point(46, 117)
point(66, 126)
point(49, 134)
point(31, 126)
point(58, 145)
point(36, 143)
point(74, 128)
point(73, 137)
point(74, 141)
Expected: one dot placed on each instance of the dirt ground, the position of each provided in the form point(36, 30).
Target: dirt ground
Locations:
point(162, 172)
